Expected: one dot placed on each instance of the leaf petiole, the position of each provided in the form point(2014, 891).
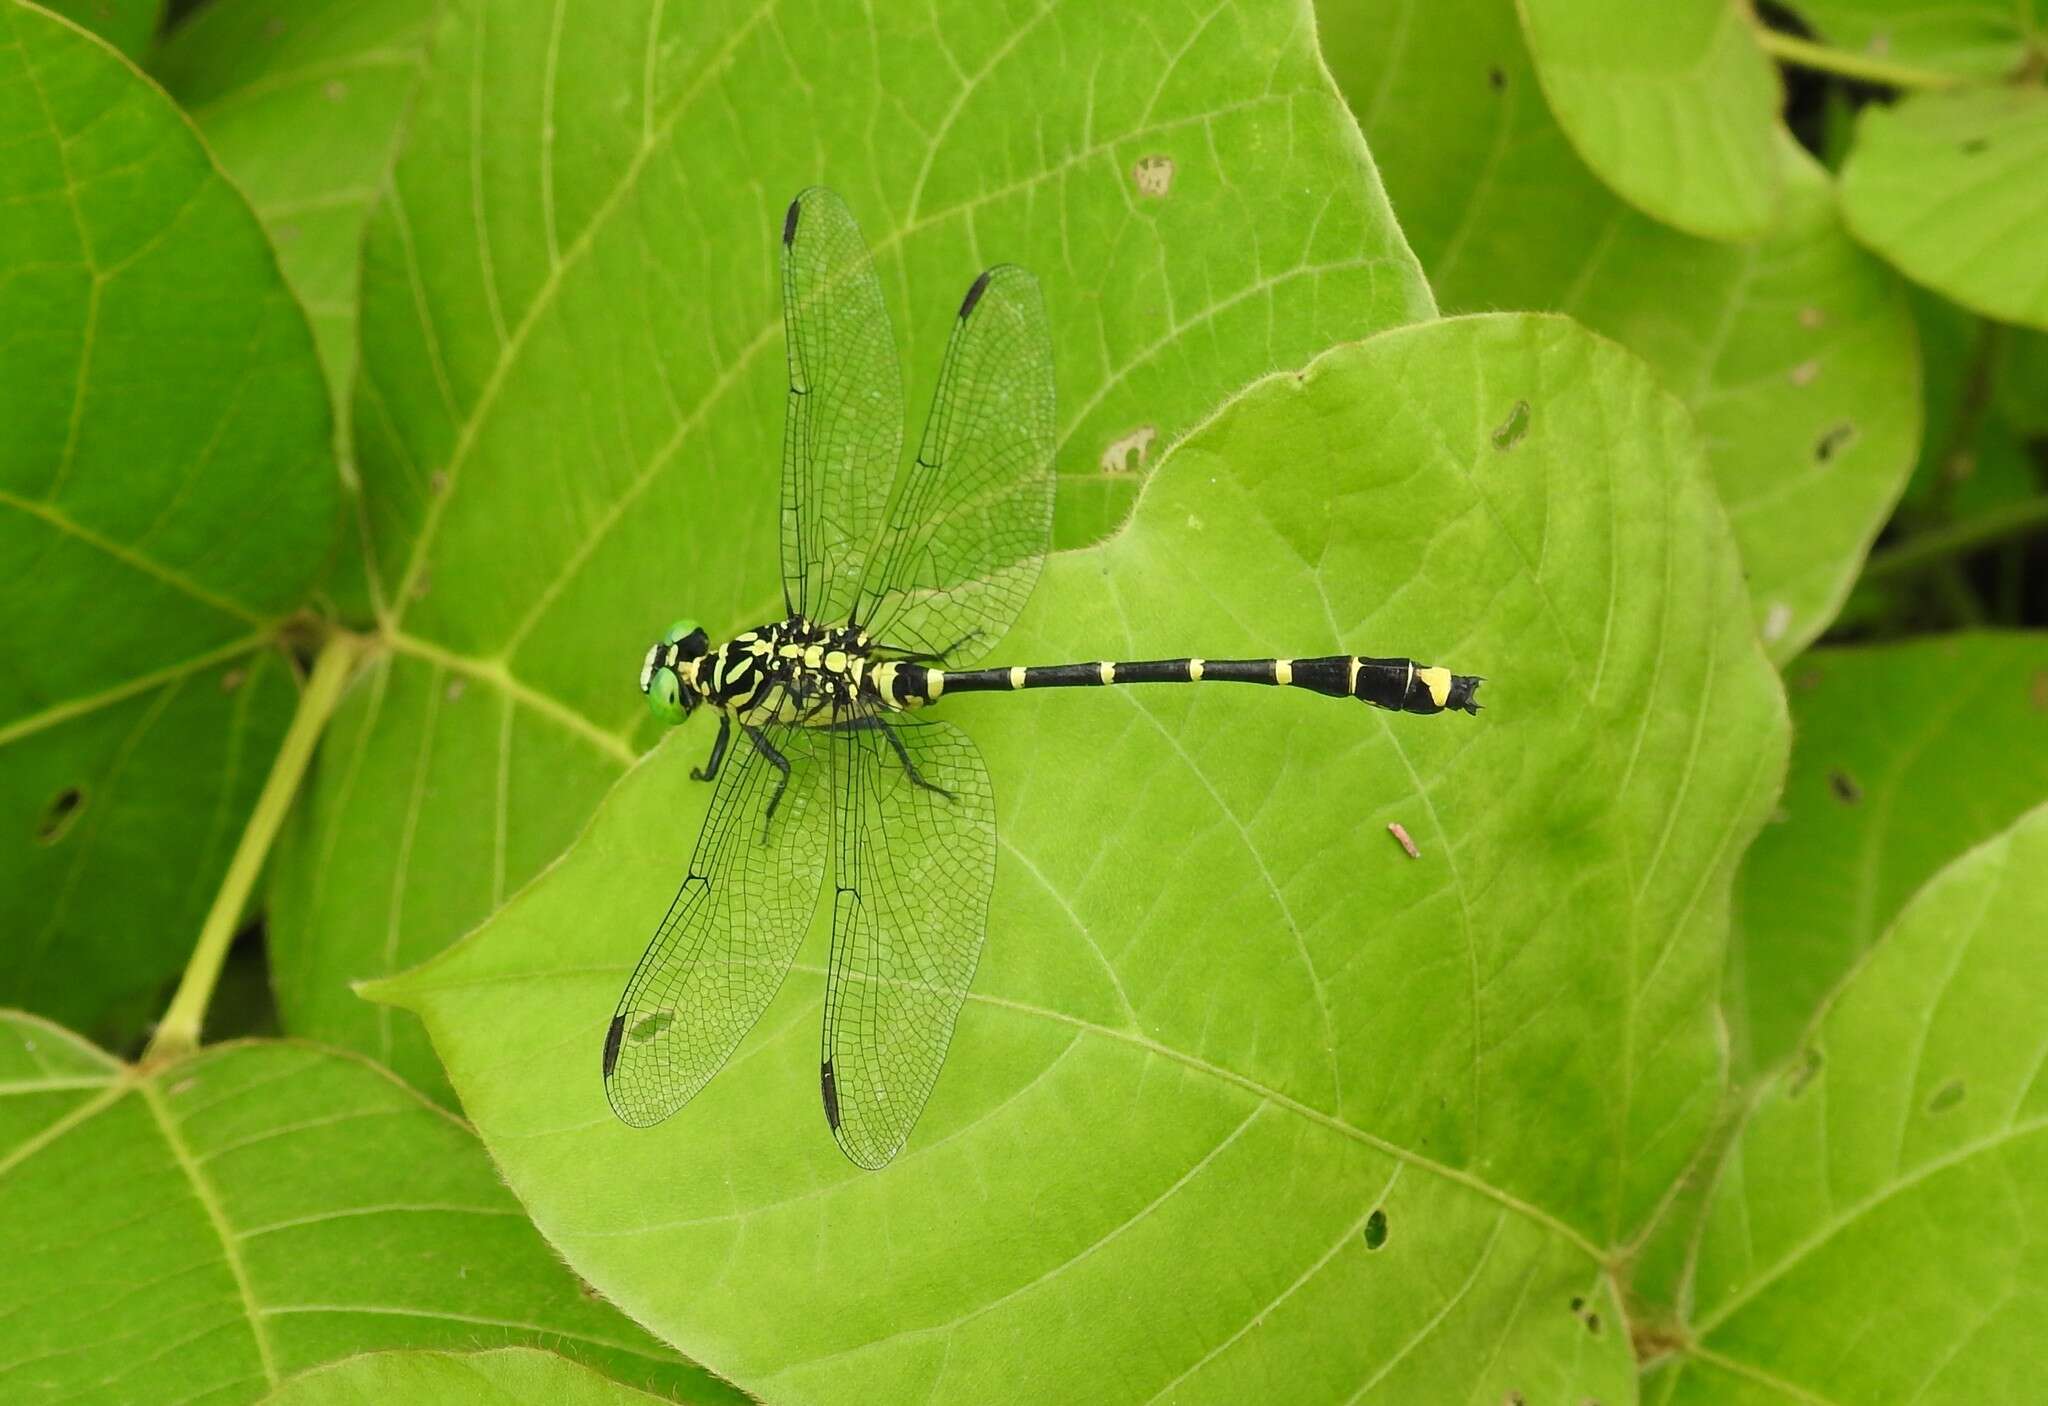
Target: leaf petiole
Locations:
point(1790, 48)
point(178, 1032)
point(1959, 538)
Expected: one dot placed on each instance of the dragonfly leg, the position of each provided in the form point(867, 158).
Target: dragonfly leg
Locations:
point(709, 770)
point(776, 760)
point(902, 753)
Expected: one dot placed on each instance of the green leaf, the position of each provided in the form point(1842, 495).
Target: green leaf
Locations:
point(507, 1377)
point(1947, 187)
point(128, 25)
point(303, 109)
point(570, 410)
point(1795, 353)
point(167, 494)
point(1678, 114)
point(1219, 1008)
point(1978, 41)
point(225, 1221)
point(1876, 1232)
point(1908, 755)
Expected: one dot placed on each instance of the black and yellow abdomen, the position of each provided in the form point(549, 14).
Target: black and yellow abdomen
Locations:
point(1402, 685)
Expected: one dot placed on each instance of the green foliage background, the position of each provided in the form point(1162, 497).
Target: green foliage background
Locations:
point(1686, 375)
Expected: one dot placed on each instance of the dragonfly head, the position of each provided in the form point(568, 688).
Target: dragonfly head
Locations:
point(669, 675)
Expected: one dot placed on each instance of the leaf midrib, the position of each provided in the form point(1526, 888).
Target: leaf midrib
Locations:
point(408, 992)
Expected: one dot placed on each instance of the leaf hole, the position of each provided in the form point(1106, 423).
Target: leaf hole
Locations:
point(1844, 786)
point(1810, 1064)
point(1946, 1097)
point(1376, 1230)
point(1513, 428)
point(1834, 442)
point(60, 815)
point(647, 1027)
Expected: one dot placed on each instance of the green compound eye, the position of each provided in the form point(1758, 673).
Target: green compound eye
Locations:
point(664, 698)
point(680, 631)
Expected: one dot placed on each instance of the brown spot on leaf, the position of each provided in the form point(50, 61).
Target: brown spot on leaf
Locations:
point(1129, 453)
point(1153, 175)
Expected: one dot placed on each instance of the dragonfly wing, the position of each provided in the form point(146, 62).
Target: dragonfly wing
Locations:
point(974, 520)
point(915, 867)
point(843, 430)
point(734, 927)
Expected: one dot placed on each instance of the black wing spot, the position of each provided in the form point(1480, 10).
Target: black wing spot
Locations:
point(974, 292)
point(789, 221)
point(829, 1086)
point(611, 1044)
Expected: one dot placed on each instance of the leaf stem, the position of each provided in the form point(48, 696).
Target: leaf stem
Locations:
point(1790, 48)
point(178, 1032)
point(1929, 548)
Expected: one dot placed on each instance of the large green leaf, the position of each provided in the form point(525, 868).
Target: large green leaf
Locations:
point(1675, 107)
point(1245, 1103)
point(1948, 187)
point(1877, 1232)
point(303, 110)
point(1908, 755)
point(570, 406)
point(1978, 40)
point(509, 1376)
point(128, 25)
point(222, 1222)
point(1795, 353)
point(167, 494)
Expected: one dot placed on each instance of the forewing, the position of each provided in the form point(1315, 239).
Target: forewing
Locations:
point(973, 522)
point(910, 907)
point(729, 936)
point(843, 432)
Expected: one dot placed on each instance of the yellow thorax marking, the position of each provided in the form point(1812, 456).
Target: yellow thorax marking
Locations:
point(814, 656)
point(1437, 681)
point(836, 661)
point(758, 646)
point(791, 651)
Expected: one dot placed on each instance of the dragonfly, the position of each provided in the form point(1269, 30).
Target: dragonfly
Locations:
point(825, 758)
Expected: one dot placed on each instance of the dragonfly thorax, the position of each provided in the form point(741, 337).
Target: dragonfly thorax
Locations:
point(790, 671)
